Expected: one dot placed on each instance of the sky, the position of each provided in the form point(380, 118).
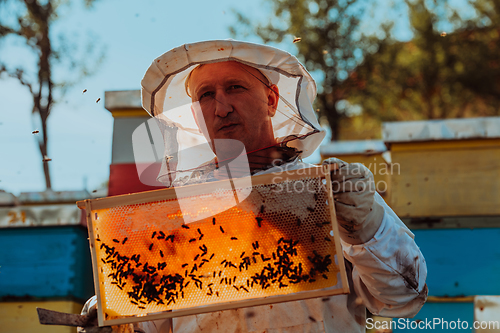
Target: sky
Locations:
point(132, 33)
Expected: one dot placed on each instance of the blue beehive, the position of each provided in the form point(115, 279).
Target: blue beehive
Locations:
point(447, 192)
point(44, 259)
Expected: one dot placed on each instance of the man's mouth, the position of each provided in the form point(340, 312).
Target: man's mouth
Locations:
point(227, 127)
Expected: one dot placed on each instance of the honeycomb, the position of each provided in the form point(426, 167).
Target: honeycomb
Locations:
point(278, 241)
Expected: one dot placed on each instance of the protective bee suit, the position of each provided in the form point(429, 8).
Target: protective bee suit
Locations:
point(386, 270)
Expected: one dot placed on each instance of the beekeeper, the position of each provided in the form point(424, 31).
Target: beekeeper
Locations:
point(225, 98)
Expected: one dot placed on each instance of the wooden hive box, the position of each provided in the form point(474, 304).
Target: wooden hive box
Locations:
point(215, 246)
point(45, 261)
point(445, 168)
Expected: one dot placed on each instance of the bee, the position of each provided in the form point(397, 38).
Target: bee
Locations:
point(84, 91)
point(296, 39)
point(443, 34)
point(98, 100)
point(46, 159)
point(185, 226)
point(35, 132)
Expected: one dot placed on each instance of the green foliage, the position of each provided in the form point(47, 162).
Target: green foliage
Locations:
point(31, 22)
point(330, 43)
point(436, 74)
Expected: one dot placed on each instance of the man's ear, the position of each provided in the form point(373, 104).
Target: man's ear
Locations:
point(273, 98)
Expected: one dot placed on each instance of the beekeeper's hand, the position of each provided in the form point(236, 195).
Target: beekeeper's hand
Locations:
point(358, 214)
point(90, 309)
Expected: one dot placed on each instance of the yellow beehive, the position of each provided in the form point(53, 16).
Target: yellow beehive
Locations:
point(445, 168)
point(277, 244)
point(21, 316)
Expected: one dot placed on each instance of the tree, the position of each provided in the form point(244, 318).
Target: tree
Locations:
point(329, 46)
point(439, 73)
point(435, 75)
point(31, 22)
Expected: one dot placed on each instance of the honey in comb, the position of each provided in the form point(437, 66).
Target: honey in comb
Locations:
point(215, 268)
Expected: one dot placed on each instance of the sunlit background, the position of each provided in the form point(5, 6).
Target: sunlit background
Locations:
point(126, 36)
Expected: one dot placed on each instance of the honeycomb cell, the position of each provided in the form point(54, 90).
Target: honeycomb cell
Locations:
point(277, 241)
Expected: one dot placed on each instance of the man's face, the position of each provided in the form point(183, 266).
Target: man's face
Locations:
point(234, 103)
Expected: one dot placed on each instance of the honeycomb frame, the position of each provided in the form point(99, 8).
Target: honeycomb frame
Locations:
point(279, 244)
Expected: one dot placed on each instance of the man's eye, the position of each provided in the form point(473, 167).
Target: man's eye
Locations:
point(236, 86)
point(206, 94)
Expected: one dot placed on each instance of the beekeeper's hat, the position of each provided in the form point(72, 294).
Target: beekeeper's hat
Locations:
point(164, 96)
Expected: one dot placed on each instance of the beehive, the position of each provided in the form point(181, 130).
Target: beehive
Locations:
point(278, 244)
point(445, 168)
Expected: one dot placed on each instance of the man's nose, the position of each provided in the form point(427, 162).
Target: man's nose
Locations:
point(223, 105)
